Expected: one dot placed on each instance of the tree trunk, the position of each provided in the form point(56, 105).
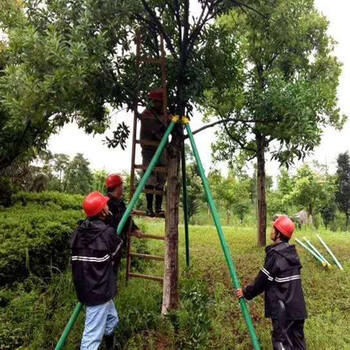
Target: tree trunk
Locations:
point(310, 219)
point(261, 194)
point(347, 220)
point(171, 263)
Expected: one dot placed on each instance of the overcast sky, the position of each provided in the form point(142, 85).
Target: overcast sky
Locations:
point(71, 140)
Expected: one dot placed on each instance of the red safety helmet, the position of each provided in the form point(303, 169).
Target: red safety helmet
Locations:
point(284, 225)
point(114, 180)
point(156, 94)
point(94, 203)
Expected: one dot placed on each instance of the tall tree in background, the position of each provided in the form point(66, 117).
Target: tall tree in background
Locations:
point(290, 87)
point(343, 185)
point(78, 177)
point(311, 191)
point(58, 66)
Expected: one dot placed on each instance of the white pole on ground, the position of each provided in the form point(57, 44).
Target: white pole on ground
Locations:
point(330, 252)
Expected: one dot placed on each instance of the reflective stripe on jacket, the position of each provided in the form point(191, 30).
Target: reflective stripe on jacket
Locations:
point(96, 253)
point(280, 280)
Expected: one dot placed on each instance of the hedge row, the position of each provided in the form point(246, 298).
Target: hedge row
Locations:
point(63, 200)
point(35, 235)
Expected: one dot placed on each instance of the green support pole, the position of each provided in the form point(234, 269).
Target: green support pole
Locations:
point(316, 251)
point(311, 251)
point(330, 252)
point(69, 326)
point(185, 204)
point(123, 220)
point(235, 280)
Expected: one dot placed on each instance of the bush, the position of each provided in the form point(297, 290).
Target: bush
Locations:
point(63, 200)
point(35, 237)
point(6, 190)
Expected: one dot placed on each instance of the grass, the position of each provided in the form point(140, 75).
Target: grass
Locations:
point(326, 291)
point(209, 317)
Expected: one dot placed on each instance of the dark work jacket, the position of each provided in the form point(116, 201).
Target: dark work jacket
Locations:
point(96, 253)
point(151, 129)
point(117, 207)
point(280, 280)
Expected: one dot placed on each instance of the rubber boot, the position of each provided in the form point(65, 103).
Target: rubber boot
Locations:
point(158, 204)
point(149, 198)
point(110, 341)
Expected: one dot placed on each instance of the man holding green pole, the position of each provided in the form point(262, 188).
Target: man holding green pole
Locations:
point(281, 281)
point(96, 254)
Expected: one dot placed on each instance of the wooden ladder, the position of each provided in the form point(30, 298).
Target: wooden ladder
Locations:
point(134, 167)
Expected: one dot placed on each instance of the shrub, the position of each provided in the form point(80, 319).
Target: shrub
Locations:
point(63, 200)
point(35, 239)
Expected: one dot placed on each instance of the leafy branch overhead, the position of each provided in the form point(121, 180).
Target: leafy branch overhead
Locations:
point(64, 62)
point(120, 136)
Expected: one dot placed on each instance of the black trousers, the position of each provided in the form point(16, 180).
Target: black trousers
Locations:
point(295, 334)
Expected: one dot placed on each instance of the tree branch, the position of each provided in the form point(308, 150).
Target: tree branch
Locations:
point(236, 139)
point(240, 4)
point(221, 122)
point(160, 27)
point(178, 21)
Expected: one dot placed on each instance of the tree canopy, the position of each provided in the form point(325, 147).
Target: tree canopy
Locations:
point(287, 92)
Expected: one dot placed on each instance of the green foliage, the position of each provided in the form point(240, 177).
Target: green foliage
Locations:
point(47, 199)
point(343, 184)
point(287, 85)
point(99, 180)
point(312, 191)
point(33, 313)
point(78, 177)
point(233, 193)
point(6, 190)
point(290, 81)
point(35, 235)
point(58, 68)
point(194, 185)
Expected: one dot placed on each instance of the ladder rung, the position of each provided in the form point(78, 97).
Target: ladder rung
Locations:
point(157, 192)
point(147, 143)
point(142, 235)
point(160, 169)
point(147, 256)
point(152, 60)
point(150, 117)
point(143, 213)
point(147, 277)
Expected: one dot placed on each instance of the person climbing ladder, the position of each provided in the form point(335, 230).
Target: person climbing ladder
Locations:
point(153, 126)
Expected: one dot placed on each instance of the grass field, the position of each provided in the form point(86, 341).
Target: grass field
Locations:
point(209, 317)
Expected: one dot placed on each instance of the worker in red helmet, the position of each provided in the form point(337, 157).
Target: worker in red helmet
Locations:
point(153, 126)
point(281, 281)
point(117, 207)
point(96, 254)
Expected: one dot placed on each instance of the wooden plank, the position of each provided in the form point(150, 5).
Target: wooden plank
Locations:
point(152, 60)
point(147, 277)
point(147, 143)
point(147, 236)
point(147, 256)
point(160, 169)
point(142, 213)
point(156, 192)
